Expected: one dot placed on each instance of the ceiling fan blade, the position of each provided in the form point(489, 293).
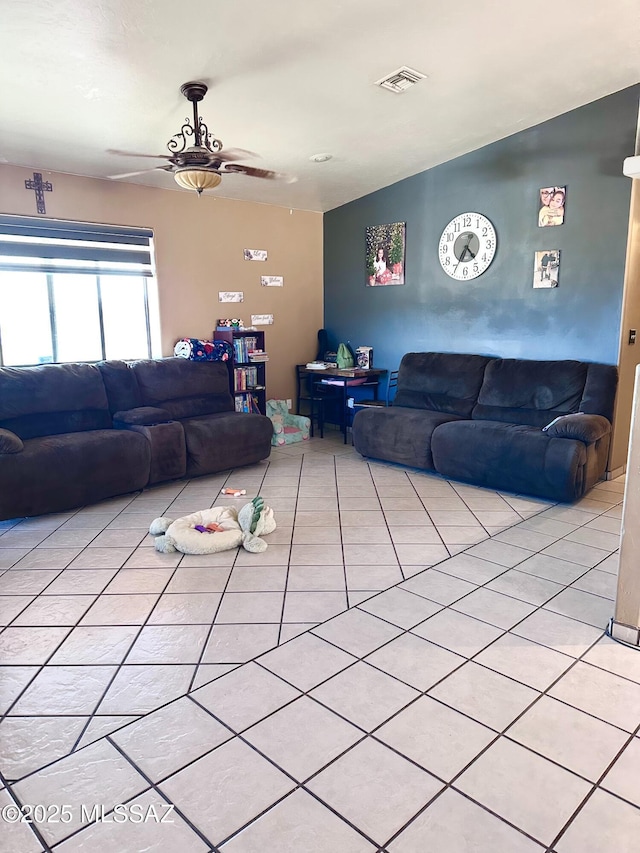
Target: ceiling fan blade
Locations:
point(226, 154)
point(137, 154)
point(235, 154)
point(258, 173)
point(133, 174)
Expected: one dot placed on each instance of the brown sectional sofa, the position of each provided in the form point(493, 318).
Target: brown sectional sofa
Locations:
point(74, 434)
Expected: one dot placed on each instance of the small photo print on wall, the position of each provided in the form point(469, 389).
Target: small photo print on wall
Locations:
point(552, 200)
point(255, 254)
point(272, 280)
point(546, 268)
point(385, 245)
point(230, 296)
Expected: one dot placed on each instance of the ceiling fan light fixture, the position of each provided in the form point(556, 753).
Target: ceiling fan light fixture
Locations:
point(197, 179)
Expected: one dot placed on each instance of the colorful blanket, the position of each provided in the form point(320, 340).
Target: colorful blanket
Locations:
point(197, 350)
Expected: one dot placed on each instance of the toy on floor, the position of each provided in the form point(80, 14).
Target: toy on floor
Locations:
point(217, 529)
point(287, 428)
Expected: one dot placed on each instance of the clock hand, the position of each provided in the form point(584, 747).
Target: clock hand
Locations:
point(463, 253)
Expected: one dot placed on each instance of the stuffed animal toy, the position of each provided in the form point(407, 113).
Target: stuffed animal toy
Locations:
point(217, 529)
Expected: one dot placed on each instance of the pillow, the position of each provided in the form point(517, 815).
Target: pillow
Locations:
point(587, 428)
point(10, 442)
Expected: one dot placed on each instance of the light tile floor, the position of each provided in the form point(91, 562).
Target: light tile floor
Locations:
point(413, 664)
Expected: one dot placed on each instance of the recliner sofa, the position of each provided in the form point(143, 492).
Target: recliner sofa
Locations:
point(74, 434)
point(487, 421)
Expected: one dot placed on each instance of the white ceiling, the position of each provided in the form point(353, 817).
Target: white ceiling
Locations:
point(292, 78)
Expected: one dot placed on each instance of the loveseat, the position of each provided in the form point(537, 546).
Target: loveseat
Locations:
point(488, 421)
point(74, 434)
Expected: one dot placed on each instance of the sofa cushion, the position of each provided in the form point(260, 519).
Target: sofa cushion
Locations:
point(440, 381)
point(510, 457)
point(527, 392)
point(10, 442)
point(184, 388)
point(59, 472)
point(397, 434)
point(52, 399)
point(225, 440)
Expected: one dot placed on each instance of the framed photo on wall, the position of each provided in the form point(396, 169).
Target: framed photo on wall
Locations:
point(546, 268)
point(552, 201)
point(384, 254)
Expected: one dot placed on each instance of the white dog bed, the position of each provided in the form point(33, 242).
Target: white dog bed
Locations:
point(228, 528)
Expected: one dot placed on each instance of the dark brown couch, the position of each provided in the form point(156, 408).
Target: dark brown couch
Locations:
point(74, 434)
point(488, 421)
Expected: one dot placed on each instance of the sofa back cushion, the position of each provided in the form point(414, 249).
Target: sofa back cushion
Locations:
point(440, 381)
point(599, 393)
point(519, 391)
point(185, 389)
point(121, 385)
point(52, 399)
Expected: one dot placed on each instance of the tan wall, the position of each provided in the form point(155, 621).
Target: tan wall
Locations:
point(629, 356)
point(198, 252)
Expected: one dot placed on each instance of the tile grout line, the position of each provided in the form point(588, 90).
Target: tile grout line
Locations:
point(32, 824)
point(595, 787)
point(288, 567)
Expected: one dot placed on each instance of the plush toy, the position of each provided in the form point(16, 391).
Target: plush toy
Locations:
point(217, 529)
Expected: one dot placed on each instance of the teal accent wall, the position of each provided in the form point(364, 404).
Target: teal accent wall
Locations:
point(499, 313)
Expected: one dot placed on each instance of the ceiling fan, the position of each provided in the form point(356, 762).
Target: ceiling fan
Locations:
point(199, 166)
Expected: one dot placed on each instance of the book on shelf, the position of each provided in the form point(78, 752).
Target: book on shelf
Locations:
point(243, 346)
point(245, 378)
point(247, 403)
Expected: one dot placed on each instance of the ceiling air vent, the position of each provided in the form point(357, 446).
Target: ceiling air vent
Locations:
point(401, 80)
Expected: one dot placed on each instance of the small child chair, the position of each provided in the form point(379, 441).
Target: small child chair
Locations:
point(287, 428)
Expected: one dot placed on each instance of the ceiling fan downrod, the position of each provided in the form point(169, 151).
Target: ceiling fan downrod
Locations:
point(194, 92)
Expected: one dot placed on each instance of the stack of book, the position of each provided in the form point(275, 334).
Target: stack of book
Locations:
point(258, 355)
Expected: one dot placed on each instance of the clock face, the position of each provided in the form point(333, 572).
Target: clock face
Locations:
point(467, 246)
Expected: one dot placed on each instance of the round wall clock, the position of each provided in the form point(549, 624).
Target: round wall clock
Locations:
point(467, 246)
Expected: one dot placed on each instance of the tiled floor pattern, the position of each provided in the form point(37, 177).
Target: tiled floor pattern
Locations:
point(470, 707)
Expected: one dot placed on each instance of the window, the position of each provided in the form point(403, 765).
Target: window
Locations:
point(74, 292)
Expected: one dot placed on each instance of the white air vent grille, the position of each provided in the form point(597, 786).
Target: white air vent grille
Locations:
point(401, 80)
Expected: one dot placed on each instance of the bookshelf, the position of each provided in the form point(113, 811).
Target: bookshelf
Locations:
point(247, 370)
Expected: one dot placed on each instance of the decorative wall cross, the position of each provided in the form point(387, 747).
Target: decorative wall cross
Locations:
point(40, 187)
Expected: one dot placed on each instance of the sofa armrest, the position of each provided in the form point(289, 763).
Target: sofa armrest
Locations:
point(587, 428)
point(10, 442)
point(142, 416)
